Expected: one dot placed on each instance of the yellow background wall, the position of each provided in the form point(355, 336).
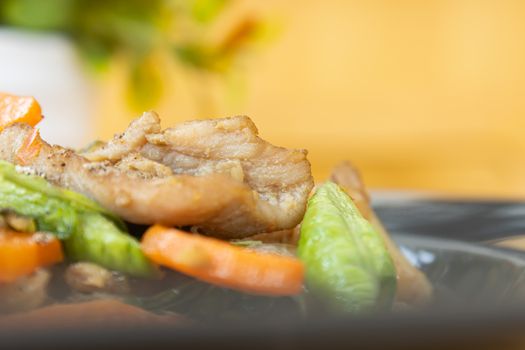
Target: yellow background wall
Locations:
point(426, 95)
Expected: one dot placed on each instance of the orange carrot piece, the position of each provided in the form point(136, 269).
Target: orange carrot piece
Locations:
point(18, 109)
point(22, 253)
point(223, 264)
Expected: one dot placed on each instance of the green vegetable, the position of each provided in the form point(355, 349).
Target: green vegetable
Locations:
point(100, 241)
point(90, 232)
point(346, 260)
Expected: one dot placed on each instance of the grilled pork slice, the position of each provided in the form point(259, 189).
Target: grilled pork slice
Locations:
point(229, 146)
point(217, 175)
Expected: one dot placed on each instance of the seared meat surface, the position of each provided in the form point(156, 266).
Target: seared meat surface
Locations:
point(217, 175)
point(227, 146)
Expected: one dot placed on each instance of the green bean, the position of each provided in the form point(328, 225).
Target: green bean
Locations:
point(347, 263)
point(100, 241)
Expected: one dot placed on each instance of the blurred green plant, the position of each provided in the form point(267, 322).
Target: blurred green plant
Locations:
point(102, 29)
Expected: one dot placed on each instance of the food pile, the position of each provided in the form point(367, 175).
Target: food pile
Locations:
point(143, 218)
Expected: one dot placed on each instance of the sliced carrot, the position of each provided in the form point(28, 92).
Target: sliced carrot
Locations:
point(22, 253)
point(223, 264)
point(18, 109)
point(30, 148)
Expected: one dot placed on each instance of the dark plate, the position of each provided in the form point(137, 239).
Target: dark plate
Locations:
point(465, 275)
point(466, 220)
point(479, 294)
